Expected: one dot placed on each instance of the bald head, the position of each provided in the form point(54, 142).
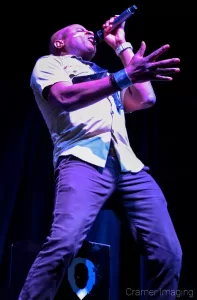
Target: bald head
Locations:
point(73, 39)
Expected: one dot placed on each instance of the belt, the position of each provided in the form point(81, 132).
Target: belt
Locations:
point(112, 150)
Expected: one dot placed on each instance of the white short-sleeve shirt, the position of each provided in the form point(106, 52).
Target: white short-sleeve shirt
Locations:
point(86, 132)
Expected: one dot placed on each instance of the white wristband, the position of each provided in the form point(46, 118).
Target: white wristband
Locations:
point(122, 47)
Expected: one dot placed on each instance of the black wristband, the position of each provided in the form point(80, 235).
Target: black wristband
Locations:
point(121, 79)
point(113, 81)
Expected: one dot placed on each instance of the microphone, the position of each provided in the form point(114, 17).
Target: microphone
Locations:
point(99, 35)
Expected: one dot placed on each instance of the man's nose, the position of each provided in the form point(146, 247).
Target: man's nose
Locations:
point(90, 32)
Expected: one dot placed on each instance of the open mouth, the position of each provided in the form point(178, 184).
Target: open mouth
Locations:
point(92, 40)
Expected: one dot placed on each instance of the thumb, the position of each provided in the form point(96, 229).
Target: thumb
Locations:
point(142, 49)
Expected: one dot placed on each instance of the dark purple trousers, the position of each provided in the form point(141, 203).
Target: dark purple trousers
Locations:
point(81, 191)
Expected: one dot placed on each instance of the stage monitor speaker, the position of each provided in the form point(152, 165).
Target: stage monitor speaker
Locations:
point(88, 275)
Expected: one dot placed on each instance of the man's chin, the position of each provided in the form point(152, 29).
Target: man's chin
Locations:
point(90, 54)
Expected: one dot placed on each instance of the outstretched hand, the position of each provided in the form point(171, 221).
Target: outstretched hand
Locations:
point(145, 68)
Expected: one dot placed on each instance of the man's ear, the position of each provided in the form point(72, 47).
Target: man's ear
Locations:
point(59, 44)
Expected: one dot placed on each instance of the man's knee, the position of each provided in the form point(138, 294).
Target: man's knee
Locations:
point(63, 247)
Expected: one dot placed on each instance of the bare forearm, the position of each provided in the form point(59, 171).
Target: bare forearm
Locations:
point(126, 56)
point(82, 94)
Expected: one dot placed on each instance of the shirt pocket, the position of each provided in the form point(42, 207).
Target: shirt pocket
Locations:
point(77, 70)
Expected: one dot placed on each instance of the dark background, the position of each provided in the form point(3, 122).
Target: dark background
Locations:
point(163, 137)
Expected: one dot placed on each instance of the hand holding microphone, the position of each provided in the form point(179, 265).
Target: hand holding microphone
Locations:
point(141, 68)
point(99, 35)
